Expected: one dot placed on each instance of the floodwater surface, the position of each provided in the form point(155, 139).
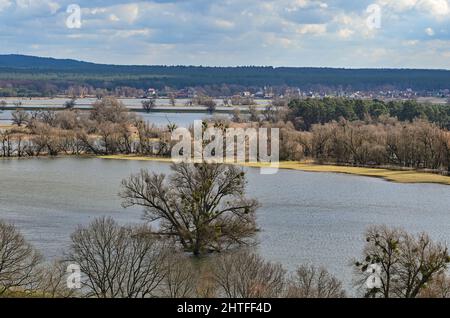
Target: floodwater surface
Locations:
point(314, 218)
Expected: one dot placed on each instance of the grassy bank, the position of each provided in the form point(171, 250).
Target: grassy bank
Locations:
point(400, 176)
point(5, 126)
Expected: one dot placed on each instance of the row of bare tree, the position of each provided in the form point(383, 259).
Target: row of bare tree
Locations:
point(418, 144)
point(109, 128)
point(127, 262)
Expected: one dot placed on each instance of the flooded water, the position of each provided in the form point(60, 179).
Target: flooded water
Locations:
point(87, 102)
point(160, 118)
point(315, 218)
point(157, 118)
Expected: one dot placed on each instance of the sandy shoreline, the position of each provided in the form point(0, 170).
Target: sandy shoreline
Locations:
point(399, 176)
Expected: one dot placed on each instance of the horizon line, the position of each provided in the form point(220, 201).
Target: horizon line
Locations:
point(222, 66)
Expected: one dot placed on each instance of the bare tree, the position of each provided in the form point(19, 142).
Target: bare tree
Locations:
point(20, 117)
point(70, 104)
point(406, 263)
point(274, 113)
point(210, 105)
point(148, 105)
point(181, 277)
point(19, 261)
point(53, 281)
point(439, 287)
point(207, 286)
point(207, 102)
point(246, 275)
point(254, 114)
point(118, 262)
point(109, 109)
point(202, 206)
point(172, 99)
point(312, 282)
point(237, 118)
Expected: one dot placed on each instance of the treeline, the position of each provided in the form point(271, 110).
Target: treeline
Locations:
point(361, 133)
point(109, 128)
point(305, 113)
point(418, 145)
point(27, 74)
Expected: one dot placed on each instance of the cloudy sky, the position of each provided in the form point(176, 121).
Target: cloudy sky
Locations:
point(336, 33)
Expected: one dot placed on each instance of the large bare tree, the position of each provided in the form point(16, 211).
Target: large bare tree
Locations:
point(406, 263)
point(202, 206)
point(117, 261)
point(19, 261)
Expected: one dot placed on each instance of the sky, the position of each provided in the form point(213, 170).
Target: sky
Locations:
point(335, 33)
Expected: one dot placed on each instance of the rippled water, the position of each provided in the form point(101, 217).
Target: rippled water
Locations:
point(316, 218)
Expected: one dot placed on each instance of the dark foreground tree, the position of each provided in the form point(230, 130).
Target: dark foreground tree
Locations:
point(202, 206)
point(19, 261)
point(117, 261)
point(399, 264)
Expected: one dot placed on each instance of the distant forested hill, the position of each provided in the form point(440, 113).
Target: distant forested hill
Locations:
point(29, 75)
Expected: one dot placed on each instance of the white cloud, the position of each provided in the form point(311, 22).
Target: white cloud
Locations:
point(297, 4)
point(128, 12)
point(436, 8)
point(113, 18)
point(224, 24)
point(35, 5)
point(352, 24)
point(4, 4)
point(315, 29)
point(429, 31)
point(131, 33)
point(233, 32)
point(410, 42)
point(399, 5)
point(345, 33)
point(96, 11)
point(273, 40)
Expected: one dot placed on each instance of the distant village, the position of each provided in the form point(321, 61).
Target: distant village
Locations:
point(271, 93)
point(256, 93)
